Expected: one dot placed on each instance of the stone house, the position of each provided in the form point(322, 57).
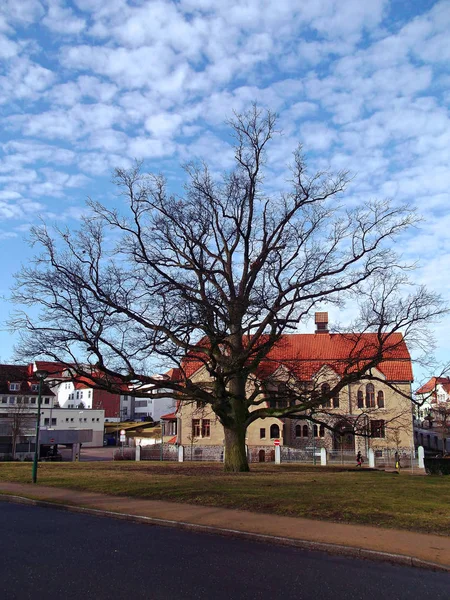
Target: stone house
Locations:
point(378, 408)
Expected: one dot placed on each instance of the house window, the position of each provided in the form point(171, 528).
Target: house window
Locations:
point(336, 400)
point(71, 420)
point(274, 431)
point(200, 404)
point(322, 431)
point(19, 399)
point(360, 399)
point(12, 400)
point(325, 389)
point(206, 428)
point(4, 399)
point(98, 420)
point(26, 400)
point(67, 419)
point(370, 395)
point(262, 433)
point(305, 431)
point(298, 431)
point(46, 400)
point(89, 393)
point(380, 399)
point(14, 387)
point(53, 421)
point(196, 428)
point(46, 421)
point(78, 395)
point(34, 387)
point(377, 429)
point(315, 430)
point(33, 400)
point(81, 394)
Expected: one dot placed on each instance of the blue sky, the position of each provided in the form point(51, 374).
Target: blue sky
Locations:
point(89, 85)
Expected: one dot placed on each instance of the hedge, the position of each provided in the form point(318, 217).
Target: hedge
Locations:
point(437, 466)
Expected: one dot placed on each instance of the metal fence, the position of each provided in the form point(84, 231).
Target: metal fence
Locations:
point(344, 457)
point(300, 455)
point(387, 459)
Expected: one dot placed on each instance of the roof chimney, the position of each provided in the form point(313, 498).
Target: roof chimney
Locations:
point(321, 320)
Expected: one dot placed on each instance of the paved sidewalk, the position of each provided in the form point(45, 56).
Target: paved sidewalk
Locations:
point(405, 547)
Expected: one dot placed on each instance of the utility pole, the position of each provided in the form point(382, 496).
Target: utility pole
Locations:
point(41, 375)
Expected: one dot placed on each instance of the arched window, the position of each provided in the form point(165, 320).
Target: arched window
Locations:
point(370, 395)
point(305, 431)
point(360, 399)
point(380, 399)
point(298, 431)
point(315, 430)
point(324, 390)
point(322, 431)
point(274, 431)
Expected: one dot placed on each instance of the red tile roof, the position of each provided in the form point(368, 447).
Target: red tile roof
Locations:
point(304, 354)
point(22, 375)
point(169, 417)
point(430, 386)
point(173, 440)
point(174, 374)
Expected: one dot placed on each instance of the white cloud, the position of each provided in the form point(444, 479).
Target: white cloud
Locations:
point(61, 19)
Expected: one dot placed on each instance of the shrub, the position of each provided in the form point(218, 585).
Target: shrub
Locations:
point(437, 466)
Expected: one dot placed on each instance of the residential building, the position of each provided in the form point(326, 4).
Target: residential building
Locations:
point(378, 408)
point(432, 415)
point(154, 406)
point(72, 391)
point(19, 391)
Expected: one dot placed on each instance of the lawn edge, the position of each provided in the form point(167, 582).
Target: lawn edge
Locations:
point(335, 549)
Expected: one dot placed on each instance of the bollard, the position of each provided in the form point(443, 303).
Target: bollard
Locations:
point(180, 454)
point(138, 452)
point(277, 455)
point(371, 454)
point(421, 454)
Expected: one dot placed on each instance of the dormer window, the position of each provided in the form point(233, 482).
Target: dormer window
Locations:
point(34, 387)
point(14, 387)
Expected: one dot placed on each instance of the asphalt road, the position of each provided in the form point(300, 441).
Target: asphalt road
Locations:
point(47, 553)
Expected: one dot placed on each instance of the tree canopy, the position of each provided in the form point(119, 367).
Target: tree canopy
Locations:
point(230, 263)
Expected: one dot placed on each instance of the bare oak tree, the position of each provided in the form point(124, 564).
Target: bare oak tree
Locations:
point(218, 275)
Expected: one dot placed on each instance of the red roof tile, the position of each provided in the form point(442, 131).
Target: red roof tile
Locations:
point(304, 354)
point(173, 440)
point(430, 385)
point(169, 417)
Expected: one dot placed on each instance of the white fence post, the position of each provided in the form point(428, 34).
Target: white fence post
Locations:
point(180, 454)
point(224, 454)
point(277, 455)
point(323, 457)
point(371, 454)
point(421, 454)
point(138, 452)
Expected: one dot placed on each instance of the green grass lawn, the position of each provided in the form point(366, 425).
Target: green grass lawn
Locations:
point(325, 493)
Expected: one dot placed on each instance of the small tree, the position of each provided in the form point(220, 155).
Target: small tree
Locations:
point(219, 275)
point(20, 420)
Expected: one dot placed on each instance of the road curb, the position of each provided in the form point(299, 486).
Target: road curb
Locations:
point(337, 549)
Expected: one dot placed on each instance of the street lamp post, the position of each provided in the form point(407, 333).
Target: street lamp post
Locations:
point(41, 375)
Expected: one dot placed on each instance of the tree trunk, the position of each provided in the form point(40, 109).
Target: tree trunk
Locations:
point(235, 453)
